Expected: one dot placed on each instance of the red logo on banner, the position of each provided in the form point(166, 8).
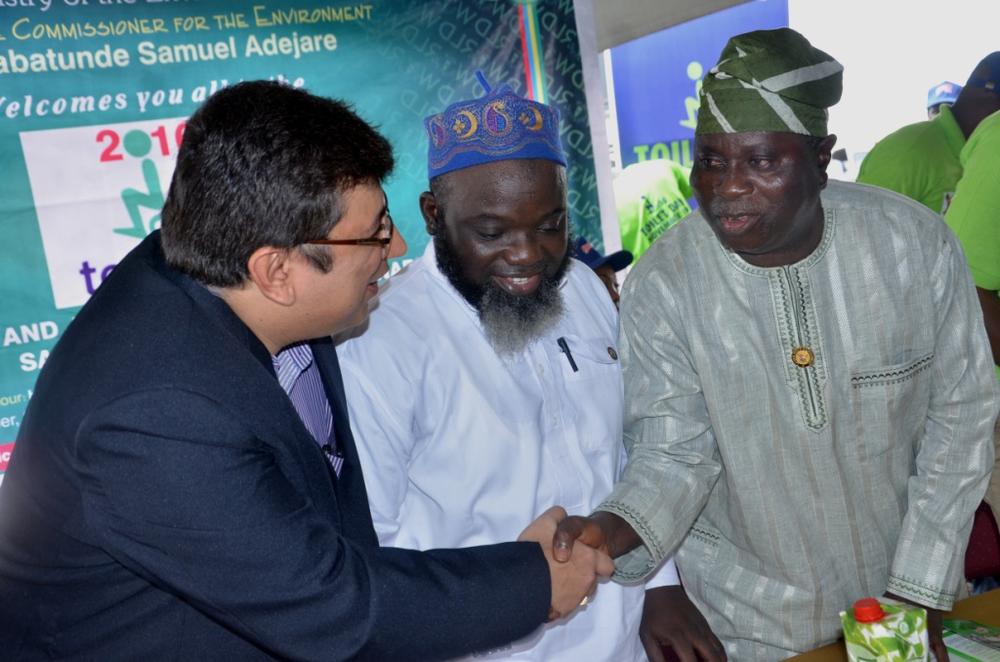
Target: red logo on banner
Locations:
point(5, 451)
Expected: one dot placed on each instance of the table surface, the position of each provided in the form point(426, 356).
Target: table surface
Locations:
point(983, 608)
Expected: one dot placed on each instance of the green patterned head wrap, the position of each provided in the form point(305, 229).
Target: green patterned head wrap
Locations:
point(769, 80)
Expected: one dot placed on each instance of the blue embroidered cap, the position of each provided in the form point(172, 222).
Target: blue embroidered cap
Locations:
point(496, 127)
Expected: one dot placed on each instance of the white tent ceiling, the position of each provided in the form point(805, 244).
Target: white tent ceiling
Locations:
point(618, 21)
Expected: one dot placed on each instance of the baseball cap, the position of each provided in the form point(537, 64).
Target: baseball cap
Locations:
point(586, 253)
point(943, 92)
point(987, 74)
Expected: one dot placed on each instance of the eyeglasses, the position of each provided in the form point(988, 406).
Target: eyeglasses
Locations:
point(382, 237)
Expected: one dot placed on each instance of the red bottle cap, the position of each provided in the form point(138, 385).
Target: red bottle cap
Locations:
point(868, 610)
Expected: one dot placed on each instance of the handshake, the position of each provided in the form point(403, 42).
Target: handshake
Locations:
point(577, 554)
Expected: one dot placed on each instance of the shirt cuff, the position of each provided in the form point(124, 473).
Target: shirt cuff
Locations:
point(635, 566)
point(665, 576)
point(922, 595)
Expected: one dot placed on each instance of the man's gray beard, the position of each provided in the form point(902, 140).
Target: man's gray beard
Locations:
point(512, 323)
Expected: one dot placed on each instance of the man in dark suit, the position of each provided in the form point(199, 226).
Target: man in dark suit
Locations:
point(185, 483)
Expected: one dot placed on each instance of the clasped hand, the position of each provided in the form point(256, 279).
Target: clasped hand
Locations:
point(575, 570)
point(669, 618)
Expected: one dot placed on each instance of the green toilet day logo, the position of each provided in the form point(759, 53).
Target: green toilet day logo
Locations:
point(98, 191)
point(138, 144)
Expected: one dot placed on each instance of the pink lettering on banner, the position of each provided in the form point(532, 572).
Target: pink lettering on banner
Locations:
point(5, 451)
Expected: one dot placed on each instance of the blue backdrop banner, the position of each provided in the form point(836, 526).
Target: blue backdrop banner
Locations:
point(657, 78)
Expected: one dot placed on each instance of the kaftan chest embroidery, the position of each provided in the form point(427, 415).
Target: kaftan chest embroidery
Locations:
point(801, 345)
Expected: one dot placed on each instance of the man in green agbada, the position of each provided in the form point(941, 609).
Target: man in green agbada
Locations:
point(809, 390)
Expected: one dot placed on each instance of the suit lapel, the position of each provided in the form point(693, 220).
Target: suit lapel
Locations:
point(351, 493)
point(262, 398)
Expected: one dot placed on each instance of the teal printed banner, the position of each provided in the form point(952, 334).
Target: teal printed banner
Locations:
point(94, 96)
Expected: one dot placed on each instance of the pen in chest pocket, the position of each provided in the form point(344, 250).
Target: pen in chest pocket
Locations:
point(564, 348)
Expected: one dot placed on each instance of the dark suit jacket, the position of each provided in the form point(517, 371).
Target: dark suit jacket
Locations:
point(164, 501)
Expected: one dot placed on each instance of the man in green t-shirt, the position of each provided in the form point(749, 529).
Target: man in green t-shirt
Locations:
point(921, 160)
point(974, 216)
point(650, 197)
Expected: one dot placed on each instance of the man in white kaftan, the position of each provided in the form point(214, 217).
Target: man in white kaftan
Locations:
point(462, 446)
point(488, 387)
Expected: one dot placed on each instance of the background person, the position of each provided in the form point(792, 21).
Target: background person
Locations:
point(923, 160)
point(974, 216)
point(944, 93)
point(650, 197)
point(605, 266)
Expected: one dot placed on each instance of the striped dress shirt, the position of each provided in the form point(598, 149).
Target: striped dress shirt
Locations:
point(299, 377)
